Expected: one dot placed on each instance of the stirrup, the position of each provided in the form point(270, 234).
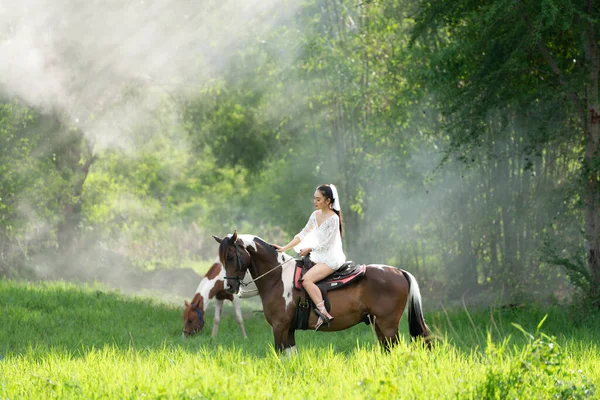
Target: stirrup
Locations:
point(319, 324)
point(324, 318)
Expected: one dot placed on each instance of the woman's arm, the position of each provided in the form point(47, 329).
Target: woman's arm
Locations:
point(288, 246)
point(310, 225)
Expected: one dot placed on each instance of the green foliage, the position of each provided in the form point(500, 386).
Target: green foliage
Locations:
point(34, 184)
point(444, 129)
point(511, 80)
point(540, 362)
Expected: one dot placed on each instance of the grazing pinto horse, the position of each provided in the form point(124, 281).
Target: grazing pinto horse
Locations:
point(212, 286)
point(380, 296)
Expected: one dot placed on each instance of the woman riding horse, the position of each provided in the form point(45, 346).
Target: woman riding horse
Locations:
point(325, 226)
point(381, 295)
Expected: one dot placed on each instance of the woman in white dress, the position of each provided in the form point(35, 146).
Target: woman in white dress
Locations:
point(322, 238)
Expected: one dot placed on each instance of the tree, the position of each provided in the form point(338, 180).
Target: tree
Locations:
point(541, 57)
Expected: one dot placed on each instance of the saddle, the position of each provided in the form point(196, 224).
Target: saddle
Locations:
point(346, 274)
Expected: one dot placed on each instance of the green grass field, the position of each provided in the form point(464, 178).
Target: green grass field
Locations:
point(64, 341)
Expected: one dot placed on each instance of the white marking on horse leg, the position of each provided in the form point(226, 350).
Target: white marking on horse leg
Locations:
point(289, 353)
point(217, 319)
point(238, 315)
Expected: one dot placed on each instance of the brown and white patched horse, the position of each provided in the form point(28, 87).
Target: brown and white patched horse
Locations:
point(212, 287)
point(380, 296)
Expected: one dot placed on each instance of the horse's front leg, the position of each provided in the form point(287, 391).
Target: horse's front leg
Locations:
point(285, 341)
point(291, 349)
point(238, 315)
point(217, 319)
point(281, 336)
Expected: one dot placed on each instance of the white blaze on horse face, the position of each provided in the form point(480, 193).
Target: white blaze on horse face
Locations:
point(287, 277)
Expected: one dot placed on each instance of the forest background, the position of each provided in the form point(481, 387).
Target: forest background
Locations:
point(462, 136)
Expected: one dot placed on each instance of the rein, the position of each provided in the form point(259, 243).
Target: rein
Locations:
point(239, 263)
point(269, 271)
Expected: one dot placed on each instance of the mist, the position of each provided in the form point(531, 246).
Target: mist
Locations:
point(77, 58)
point(107, 69)
point(205, 118)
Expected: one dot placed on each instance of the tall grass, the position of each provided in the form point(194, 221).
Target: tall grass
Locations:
point(62, 341)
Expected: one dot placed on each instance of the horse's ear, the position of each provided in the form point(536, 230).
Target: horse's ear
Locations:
point(234, 237)
point(219, 240)
point(186, 303)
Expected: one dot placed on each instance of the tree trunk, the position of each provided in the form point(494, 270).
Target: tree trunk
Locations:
point(68, 228)
point(590, 163)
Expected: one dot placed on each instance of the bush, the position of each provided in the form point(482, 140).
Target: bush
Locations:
point(536, 371)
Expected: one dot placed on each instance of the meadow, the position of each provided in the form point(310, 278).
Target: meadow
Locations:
point(61, 340)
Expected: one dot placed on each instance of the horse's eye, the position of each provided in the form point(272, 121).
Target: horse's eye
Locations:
point(229, 258)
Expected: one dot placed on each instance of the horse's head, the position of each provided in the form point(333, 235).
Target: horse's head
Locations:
point(235, 257)
point(193, 316)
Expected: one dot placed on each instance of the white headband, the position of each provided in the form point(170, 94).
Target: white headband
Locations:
point(336, 199)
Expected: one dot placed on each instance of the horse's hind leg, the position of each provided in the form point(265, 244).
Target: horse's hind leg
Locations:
point(387, 333)
point(238, 315)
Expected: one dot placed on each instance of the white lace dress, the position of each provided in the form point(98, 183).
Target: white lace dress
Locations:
point(325, 241)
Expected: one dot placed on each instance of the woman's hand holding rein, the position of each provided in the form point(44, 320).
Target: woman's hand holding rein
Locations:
point(304, 252)
point(288, 246)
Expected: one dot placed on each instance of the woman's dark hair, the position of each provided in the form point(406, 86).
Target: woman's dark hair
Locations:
point(328, 194)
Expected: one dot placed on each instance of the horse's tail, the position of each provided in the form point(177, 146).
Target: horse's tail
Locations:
point(416, 323)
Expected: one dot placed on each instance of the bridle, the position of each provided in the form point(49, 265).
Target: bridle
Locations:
point(239, 269)
point(196, 330)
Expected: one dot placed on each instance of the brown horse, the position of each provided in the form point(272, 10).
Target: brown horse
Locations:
point(380, 296)
point(212, 287)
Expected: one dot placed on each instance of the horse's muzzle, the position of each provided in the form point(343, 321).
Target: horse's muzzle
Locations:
point(233, 287)
point(186, 334)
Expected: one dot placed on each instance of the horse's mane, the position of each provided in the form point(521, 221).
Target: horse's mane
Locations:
point(267, 246)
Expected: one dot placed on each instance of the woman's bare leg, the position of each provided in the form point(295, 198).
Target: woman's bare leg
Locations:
point(318, 272)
